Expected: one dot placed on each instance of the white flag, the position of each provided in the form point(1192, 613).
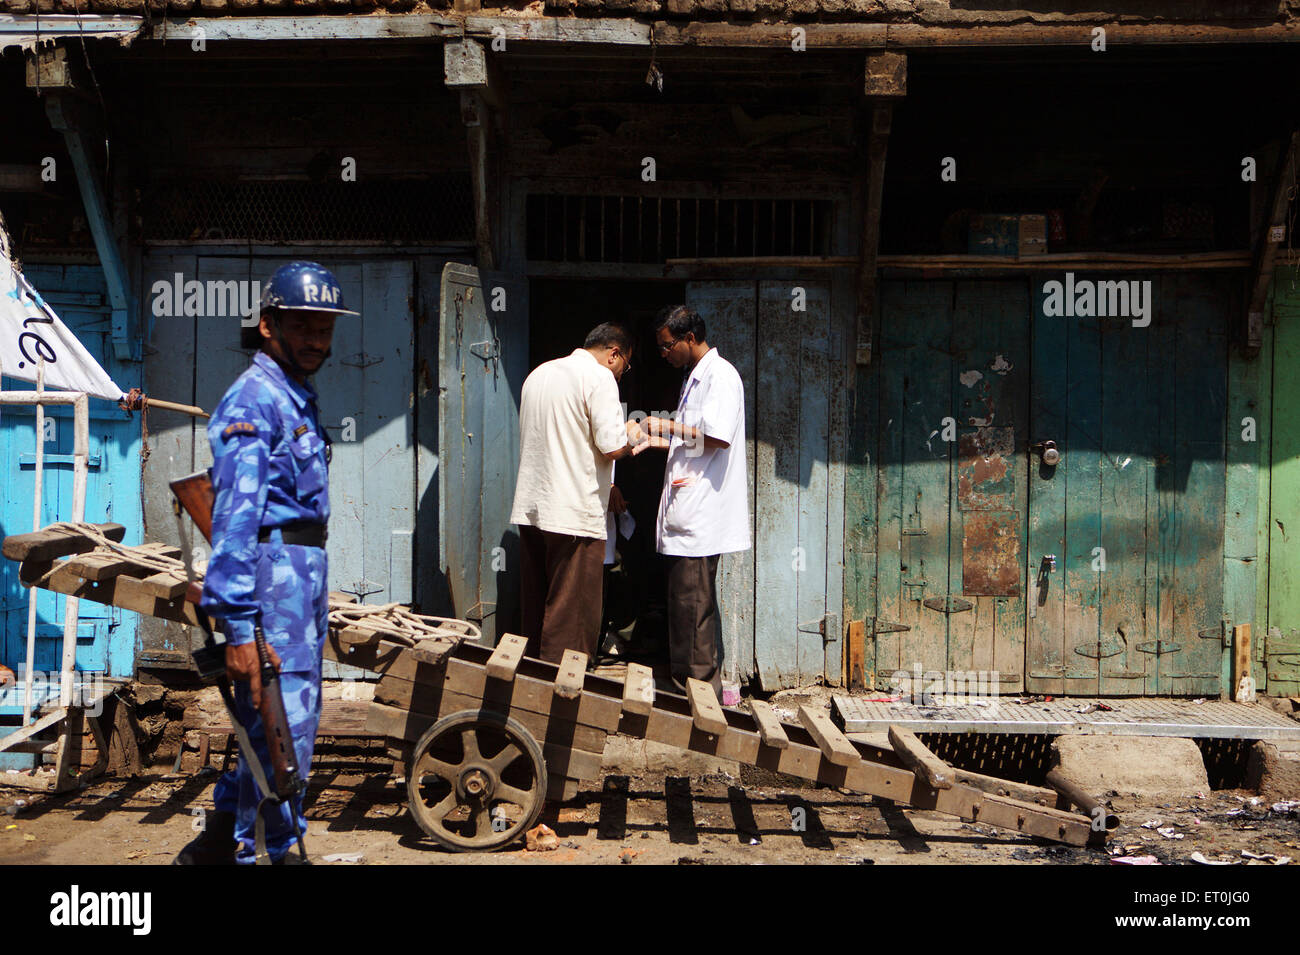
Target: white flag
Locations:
point(29, 331)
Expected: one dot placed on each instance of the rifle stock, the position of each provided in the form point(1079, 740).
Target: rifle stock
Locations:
point(195, 495)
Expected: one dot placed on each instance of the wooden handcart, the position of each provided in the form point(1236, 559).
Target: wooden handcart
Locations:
point(484, 737)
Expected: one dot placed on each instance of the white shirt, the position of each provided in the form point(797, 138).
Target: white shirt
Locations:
point(704, 508)
point(569, 419)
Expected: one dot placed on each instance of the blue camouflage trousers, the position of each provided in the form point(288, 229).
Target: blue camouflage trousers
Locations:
point(291, 589)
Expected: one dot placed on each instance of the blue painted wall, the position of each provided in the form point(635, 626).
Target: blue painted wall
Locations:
point(107, 637)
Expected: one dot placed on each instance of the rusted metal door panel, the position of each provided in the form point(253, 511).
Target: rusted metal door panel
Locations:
point(729, 310)
point(915, 474)
point(792, 407)
point(986, 566)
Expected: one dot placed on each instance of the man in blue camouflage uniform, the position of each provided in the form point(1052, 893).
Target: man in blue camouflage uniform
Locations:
point(270, 475)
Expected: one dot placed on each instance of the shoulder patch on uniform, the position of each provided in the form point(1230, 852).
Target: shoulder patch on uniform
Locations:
point(299, 431)
point(239, 427)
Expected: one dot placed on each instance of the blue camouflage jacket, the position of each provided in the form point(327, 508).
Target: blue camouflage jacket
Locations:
point(269, 468)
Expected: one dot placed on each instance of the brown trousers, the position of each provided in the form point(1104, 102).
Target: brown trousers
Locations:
point(694, 624)
point(560, 593)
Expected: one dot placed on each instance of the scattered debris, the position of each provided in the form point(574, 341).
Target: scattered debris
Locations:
point(1200, 858)
point(1134, 860)
point(1266, 857)
point(1169, 832)
point(1152, 824)
point(627, 855)
point(350, 857)
point(542, 838)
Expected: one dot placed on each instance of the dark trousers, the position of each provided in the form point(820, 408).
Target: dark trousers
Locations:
point(560, 593)
point(694, 624)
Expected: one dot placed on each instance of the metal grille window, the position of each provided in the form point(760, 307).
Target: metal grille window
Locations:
point(650, 229)
point(379, 212)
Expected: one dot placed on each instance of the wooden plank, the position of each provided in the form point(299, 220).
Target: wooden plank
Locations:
point(33, 729)
point(168, 584)
point(769, 727)
point(927, 766)
point(1241, 661)
point(705, 709)
point(434, 704)
point(432, 652)
point(524, 693)
point(573, 668)
point(855, 649)
point(834, 745)
point(638, 689)
point(47, 544)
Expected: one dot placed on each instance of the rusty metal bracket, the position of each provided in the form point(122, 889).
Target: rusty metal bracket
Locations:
point(948, 604)
point(1101, 649)
point(1158, 647)
point(885, 626)
point(488, 351)
point(827, 626)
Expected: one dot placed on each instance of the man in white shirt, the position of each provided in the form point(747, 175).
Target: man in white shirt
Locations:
point(571, 430)
point(704, 508)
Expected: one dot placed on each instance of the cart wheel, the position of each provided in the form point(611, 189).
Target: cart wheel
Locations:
point(477, 781)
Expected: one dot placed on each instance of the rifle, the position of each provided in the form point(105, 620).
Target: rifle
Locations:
point(195, 496)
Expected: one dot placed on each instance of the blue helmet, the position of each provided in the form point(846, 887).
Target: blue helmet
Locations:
point(306, 286)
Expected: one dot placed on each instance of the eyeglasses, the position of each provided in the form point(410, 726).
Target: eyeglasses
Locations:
point(665, 349)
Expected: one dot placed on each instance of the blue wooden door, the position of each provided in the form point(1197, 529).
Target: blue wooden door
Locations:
point(775, 599)
point(483, 338)
point(106, 636)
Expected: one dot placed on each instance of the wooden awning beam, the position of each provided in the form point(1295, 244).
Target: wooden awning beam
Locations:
point(1272, 235)
point(629, 32)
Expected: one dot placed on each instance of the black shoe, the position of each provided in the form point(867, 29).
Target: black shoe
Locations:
point(215, 845)
point(292, 857)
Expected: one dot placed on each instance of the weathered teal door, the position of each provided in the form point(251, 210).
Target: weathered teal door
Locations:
point(1133, 513)
point(952, 495)
point(1101, 574)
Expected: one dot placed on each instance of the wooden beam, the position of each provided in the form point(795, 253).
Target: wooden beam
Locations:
point(474, 112)
point(770, 730)
point(886, 74)
point(638, 689)
point(33, 729)
point(433, 652)
point(1241, 664)
point(573, 670)
point(877, 148)
point(619, 31)
point(1266, 246)
point(928, 767)
point(835, 746)
point(50, 543)
point(706, 711)
point(505, 658)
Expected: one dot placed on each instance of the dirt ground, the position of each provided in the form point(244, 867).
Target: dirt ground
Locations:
point(355, 806)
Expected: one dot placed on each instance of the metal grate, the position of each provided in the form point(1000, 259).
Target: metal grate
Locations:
point(387, 212)
point(650, 229)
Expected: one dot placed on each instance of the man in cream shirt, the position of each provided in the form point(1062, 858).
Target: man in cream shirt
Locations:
point(704, 508)
point(571, 430)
